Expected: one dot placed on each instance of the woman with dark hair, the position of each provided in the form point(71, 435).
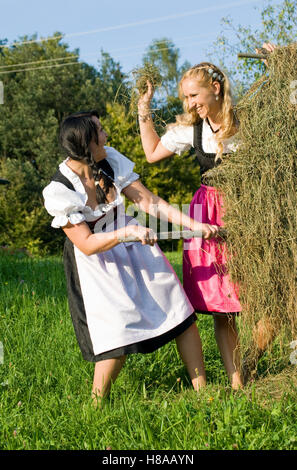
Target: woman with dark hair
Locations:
point(124, 297)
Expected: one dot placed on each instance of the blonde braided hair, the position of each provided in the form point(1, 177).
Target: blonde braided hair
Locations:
point(206, 74)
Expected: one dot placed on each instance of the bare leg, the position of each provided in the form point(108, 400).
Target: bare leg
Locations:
point(227, 340)
point(105, 374)
point(190, 350)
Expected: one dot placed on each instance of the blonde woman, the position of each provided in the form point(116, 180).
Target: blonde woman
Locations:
point(209, 125)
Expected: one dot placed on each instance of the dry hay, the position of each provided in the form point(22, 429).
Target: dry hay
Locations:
point(259, 184)
point(141, 75)
point(280, 384)
point(276, 386)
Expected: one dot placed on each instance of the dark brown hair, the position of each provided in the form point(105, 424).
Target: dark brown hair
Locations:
point(77, 132)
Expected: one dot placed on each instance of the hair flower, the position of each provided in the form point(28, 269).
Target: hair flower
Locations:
point(210, 71)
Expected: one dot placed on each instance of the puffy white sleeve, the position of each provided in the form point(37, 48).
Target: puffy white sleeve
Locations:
point(231, 145)
point(122, 166)
point(63, 204)
point(178, 139)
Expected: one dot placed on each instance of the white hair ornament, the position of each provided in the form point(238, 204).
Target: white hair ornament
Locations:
point(215, 75)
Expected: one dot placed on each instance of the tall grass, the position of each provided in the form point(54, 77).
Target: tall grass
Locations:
point(45, 400)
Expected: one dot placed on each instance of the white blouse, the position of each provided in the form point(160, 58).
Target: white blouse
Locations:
point(179, 139)
point(66, 205)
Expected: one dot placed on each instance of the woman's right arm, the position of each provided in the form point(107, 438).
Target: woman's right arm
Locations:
point(90, 243)
point(151, 142)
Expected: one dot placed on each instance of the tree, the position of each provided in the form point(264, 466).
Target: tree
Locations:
point(163, 54)
point(278, 25)
point(114, 86)
point(35, 103)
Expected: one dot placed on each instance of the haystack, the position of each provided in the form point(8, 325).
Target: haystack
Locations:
point(259, 184)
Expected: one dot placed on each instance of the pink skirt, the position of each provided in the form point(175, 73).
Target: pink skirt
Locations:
point(206, 281)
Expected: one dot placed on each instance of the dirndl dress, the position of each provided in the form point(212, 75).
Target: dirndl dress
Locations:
point(205, 278)
point(124, 300)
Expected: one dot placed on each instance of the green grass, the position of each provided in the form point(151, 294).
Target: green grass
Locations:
point(46, 385)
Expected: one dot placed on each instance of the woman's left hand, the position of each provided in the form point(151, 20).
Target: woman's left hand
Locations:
point(208, 231)
point(269, 47)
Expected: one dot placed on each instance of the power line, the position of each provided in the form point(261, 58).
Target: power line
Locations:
point(39, 61)
point(39, 68)
point(174, 44)
point(122, 49)
point(166, 48)
point(136, 23)
point(72, 63)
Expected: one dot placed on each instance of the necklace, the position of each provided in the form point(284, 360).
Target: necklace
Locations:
point(214, 132)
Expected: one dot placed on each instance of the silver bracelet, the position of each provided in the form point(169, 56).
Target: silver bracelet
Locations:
point(144, 117)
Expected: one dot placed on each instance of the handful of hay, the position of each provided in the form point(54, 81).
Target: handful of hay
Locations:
point(259, 186)
point(141, 75)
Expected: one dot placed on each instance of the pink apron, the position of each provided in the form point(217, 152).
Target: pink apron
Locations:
point(206, 282)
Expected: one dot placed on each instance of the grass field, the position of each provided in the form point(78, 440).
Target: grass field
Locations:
point(46, 385)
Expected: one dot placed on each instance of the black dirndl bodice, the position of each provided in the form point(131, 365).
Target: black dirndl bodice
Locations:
point(205, 160)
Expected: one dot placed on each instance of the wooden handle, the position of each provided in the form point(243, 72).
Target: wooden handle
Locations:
point(247, 55)
point(178, 235)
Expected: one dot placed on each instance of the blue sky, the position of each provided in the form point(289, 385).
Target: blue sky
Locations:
point(126, 28)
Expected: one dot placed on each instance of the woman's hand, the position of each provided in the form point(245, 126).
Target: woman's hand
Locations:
point(208, 231)
point(267, 46)
point(144, 101)
point(143, 234)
